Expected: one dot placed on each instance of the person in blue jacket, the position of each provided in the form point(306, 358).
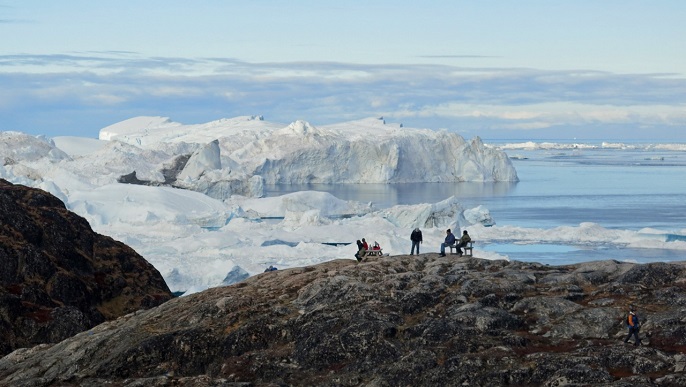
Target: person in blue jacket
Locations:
point(633, 325)
point(449, 241)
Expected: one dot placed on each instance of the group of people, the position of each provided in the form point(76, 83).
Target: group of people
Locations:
point(450, 241)
point(416, 238)
point(363, 248)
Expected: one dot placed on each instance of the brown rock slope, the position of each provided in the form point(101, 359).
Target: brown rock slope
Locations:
point(58, 277)
point(394, 321)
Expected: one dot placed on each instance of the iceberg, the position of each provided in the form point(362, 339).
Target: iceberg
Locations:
point(202, 161)
point(364, 151)
point(372, 153)
point(303, 201)
point(447, 213)
point(479, 215)
point(240, 156)
point(143, 205)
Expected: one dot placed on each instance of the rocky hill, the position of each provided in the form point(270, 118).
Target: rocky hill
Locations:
point(58, 277)
point(391, 321)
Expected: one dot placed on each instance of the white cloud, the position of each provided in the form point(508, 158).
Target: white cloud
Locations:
point(542, 115)
point(433, 96)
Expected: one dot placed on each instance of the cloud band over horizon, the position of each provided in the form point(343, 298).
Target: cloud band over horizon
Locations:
point(80, 93)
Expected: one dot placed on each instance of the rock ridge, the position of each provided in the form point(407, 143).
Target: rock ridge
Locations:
point(390, 321)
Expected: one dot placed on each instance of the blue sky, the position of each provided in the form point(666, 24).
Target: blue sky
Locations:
point(498, 69)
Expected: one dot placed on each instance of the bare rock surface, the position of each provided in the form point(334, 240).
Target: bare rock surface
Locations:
point(389, 321)
point(58, 277)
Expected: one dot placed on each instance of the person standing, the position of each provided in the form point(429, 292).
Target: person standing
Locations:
point(449, 241)
point(416, 238)
point(633, 325)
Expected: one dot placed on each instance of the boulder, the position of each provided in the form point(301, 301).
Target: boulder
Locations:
point(58, 277)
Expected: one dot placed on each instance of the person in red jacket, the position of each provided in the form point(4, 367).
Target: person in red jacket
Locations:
point(633, 325)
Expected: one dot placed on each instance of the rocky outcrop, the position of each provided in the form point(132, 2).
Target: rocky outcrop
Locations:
point(58, 277)
point(391, 321)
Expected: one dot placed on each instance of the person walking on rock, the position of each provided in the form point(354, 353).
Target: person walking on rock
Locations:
point(449, 241)
point(633, 325)
point(416, 238)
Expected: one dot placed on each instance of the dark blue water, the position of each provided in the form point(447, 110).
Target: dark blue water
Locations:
point(618, 189)
point(552, 191)
point(562, 254)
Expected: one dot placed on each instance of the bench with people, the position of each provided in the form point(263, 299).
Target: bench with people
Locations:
point(468, 249)
point(363, 250)
point(464, 242)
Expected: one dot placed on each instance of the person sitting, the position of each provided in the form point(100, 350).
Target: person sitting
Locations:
point(449, 241)
point(376, 246)
point(361, 251)
point(463, 242)
point(270, 268)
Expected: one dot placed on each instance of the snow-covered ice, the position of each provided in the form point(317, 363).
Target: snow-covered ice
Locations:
point(199, 216)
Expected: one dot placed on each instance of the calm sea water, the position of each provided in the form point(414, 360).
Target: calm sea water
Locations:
point(630, 189)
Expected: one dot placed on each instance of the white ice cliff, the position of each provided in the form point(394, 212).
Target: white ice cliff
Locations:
point(365, 151)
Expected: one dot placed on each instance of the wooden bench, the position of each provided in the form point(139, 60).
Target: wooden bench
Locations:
point(374, 253)
point(468, 250)
point(369, 253)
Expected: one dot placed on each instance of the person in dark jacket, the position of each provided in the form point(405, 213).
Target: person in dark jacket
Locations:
point(633, 325)
point(449, 241)
point(463, 242)
point(416, 238)
point(361, 251)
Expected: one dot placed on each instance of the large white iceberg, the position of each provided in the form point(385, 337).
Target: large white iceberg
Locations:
point(239, 156)
point(365, 151)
